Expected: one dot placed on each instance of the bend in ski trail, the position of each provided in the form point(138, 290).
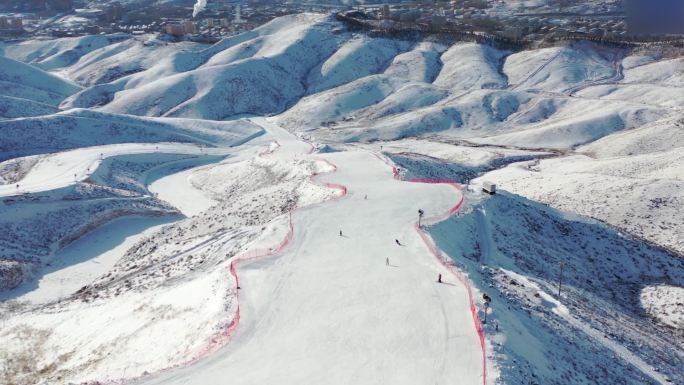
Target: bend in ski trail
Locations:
point(69, 167)
point(329, 310)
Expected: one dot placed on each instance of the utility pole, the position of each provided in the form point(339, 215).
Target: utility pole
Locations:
point(487, 300)
point(560, 279)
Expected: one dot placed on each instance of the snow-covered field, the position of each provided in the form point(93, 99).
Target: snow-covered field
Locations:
point(599, 330)
point(86, 259)
point(664, 303)
point(53, 171)
point(183, 213)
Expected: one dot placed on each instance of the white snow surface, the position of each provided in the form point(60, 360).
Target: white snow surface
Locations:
point(320, 273)
point(559, 69)
point(83, 261)
point(330, 303)
point(178, 190)
point(593, 130)
point(50, 172)
point(84, 128)
point(58, 53)
point(23, 81)
point(470, 66)
point(640, 194)
point(664, 303)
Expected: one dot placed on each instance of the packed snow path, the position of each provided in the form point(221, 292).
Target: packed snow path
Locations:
point(329, 310)
point(53, 171)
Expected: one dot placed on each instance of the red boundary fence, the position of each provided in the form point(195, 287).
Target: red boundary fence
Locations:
point(222, 339)
point(270, 150)
point(443, 259)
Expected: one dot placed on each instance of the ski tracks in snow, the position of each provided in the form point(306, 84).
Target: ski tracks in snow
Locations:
point(251, 255)
point(441, 258)
point(327, 309)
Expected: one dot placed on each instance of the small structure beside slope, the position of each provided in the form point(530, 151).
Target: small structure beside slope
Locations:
point(489, 187)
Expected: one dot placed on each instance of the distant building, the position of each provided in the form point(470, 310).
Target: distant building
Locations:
point(174, 29)
point(179, 29)
point(189, 26)
point(238, 15)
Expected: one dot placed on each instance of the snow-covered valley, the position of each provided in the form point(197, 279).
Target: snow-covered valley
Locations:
point(247, 211)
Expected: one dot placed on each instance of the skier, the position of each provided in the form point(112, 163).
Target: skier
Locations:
point(439, 278)
point(386, 261)
point(365, 197)
point(340, 233)
point(397, 241)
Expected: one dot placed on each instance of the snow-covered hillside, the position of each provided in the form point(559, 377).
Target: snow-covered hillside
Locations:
point(561, 69)
point(25, 82)
point(632, 181)
point(192, 251)
point(513, 249)
point(163, 219)
point(258, 73)
point(13, 107)
point(83, 128)
point(372, 88)
point(58, 53)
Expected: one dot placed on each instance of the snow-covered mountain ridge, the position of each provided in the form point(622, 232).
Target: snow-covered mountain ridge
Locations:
point(223, 141)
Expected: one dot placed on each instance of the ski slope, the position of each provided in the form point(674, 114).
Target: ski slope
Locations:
point(329, 309)
point(590, 129)
point(69, 167)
